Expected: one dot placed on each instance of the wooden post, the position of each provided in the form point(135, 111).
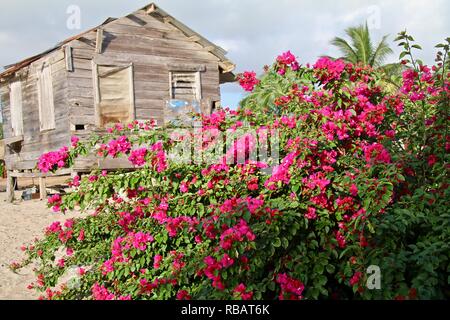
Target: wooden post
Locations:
point(99, 41)
point(9, 187)
point(42, 189)
point(69, 58)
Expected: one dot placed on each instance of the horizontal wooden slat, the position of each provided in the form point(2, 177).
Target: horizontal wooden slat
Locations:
point(12, 140)
point(61, 172)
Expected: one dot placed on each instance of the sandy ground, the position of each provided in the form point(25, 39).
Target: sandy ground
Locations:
point(20, 223)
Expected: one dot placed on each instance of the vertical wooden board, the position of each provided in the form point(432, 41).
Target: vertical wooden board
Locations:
point(96, 93)
point(132, 93)
point(10, 186)
point(5, 110)
point(170, 84)
point(16, 107)
point(42, 189)
point(69, 58)
point(198, 86)
point(99, 41)
point(46, 99)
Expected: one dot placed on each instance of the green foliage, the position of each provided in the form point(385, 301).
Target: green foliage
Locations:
point(363, 181)
point(360, 49)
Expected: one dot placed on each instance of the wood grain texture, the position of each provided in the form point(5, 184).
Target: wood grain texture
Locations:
point(153, 46)
point(35, 141)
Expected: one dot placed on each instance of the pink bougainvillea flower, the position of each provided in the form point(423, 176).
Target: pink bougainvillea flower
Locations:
point(355, 278)
point(183, 295)
point(291, 289)
point(137, 157)
point(281, 172)
point(287, 60)
point(74, 141)
point(184, 187)
point(241, 289)
point(376, 153)
point(432, 159)
point(248, 80)
point(101, 293)
point(140, 240)
point(81, 235)
point(353, 190)
point(328, 70)
point(311, 214)
point(226, 261)
point(53, 160)
point(156, 261)
point(241, 149)
point(61, 263)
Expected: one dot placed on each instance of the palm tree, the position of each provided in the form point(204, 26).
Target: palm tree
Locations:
point(361, 49)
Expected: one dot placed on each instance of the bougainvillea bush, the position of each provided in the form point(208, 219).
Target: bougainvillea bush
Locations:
point(361, 181)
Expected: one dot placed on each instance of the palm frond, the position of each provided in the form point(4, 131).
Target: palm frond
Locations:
point(361, 41)
point(392, 69)
point(349, 54)
point(380, 53)
point(359, 47)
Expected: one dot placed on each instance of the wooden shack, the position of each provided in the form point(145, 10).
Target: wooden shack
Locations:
point(125, 69)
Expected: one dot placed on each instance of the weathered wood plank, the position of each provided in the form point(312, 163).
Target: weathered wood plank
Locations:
point(10, 184)
point(127, 29)
point(148, 49)
point(142, 19)
point(42, 188)
point(99, 41)
point(69, 58)
point(60, 172)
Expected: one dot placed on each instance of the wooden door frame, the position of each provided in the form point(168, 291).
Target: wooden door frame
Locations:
point(96, 89)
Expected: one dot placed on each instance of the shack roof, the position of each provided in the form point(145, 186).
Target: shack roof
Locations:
point(152, 9)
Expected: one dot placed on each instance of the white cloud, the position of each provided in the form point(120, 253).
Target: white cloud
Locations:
point(4, 38)
point(232, 45)
point(252, 31)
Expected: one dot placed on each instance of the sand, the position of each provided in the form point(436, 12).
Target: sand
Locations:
point(20, 223)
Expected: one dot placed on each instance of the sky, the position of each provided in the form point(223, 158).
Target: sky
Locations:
point(253, 32)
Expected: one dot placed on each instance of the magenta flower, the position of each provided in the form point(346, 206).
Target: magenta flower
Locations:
point(291, 288)
point(53, 160)
point(157, 260)
point(376, 153)
point(248, 80)
point(328, 70)
point(74, 141)
point(184, 187)
point(311, 214)
point(287, 59)
point(183, 295)
point(137, 157)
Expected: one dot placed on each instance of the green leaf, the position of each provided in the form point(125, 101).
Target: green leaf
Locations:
point(247, 216)
point(277, 242)
point(330, 268)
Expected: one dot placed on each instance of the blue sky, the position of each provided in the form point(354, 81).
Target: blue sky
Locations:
point(253, 31)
